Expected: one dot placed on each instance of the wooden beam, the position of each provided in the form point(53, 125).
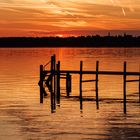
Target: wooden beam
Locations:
point(99, 72)
point(88, 81)
point(132, 80)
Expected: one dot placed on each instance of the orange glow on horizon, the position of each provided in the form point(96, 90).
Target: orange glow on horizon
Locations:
point(60, 35)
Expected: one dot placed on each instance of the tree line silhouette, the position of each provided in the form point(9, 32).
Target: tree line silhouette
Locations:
point(80, 41)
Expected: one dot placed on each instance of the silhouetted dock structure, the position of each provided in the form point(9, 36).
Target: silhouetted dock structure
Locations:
point(51, 79)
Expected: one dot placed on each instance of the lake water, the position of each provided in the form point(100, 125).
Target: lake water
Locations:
point(22, 117)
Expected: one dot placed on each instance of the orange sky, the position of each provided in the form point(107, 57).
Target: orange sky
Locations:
point(67, 17)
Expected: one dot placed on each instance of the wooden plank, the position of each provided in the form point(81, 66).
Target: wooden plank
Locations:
point(63, 77)
point(88, 80)
point(99, 72)
point(132, 80)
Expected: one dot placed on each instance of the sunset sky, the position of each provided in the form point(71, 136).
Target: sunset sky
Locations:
point(67, 17)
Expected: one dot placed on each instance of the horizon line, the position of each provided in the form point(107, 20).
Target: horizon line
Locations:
point(75, 36)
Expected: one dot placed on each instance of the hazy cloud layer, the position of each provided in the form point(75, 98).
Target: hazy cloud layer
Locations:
point(59, 15)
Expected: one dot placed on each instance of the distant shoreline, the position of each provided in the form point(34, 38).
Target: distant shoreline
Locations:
point(76, 42)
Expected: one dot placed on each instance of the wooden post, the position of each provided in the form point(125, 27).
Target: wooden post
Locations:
point(97, 99)
point(58, 82)
point(124, 88)
point(67, 90)
point(81, 104)
point(51, 83)
point(68, 84)
point(41, 84)
point(54, 91)
point(139, 85)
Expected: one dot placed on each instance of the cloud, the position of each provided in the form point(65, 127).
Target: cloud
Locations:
point(59, 15)
point(6, 1)
point(74, 8)
point(78, 23)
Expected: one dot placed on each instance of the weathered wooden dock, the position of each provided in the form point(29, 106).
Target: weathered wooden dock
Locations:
point(51, 79)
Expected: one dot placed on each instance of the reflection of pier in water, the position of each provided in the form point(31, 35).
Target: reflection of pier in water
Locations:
point(51, 80)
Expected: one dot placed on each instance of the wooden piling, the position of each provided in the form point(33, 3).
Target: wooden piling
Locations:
point(139, 85)
point(97, 79)
point(41, 84)
point(80, 86)
point(124, 89)
point(68, 84)
point(58, 82)
point(51, 83)
point(54, 80)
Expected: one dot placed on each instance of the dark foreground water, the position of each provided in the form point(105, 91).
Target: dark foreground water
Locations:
point(22, 117)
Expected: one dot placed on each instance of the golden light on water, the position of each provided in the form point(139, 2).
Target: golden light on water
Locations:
point(23, 117)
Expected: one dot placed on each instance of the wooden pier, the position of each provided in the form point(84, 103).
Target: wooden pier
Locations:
point(51, 79)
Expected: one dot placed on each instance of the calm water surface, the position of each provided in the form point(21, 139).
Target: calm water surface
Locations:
point(22, 117)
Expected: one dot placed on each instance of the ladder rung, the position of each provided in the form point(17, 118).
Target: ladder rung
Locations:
point(132, 80)
point(88, 90)
point(89, 80)
point(62, 77)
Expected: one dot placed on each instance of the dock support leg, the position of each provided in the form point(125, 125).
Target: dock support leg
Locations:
point(58, 83)
point(124, 88)
point(41, 84)
point(139, 86)
point(68, 84)
point(51, 83)
point(81, 100)
point(97, 79)
point(54, 80)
